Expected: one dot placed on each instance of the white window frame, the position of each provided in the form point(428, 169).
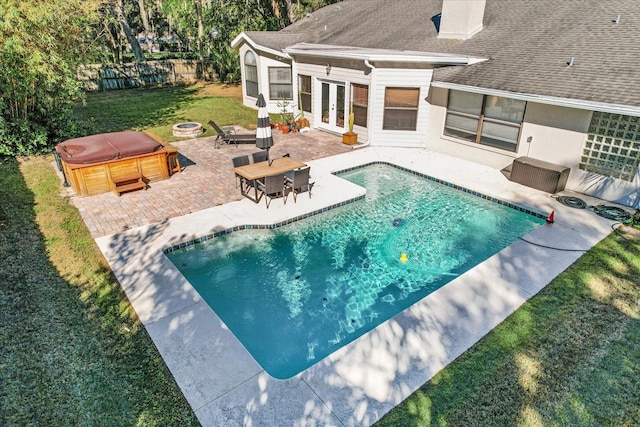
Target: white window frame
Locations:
point(399, 114)
point(250, 71)
point(498, 120)
point(278, 83)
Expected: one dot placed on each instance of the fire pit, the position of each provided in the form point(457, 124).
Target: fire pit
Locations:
point(187, 130)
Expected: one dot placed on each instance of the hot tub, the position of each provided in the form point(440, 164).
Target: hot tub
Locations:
point(112, 161)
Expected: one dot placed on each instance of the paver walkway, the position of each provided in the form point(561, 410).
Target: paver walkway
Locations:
point(206, 180)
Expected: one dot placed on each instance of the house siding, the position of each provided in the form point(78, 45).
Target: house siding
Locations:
point(314, 71)
point(264, 61)
point(347, 72)
point(557, 136)
point(396, 77)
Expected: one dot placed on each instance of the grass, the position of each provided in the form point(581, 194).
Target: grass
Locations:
point(157, 110)
point(569, 356)
point(73, 351)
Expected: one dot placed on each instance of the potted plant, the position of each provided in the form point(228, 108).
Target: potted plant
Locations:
point(350, 137)
point(285, 116)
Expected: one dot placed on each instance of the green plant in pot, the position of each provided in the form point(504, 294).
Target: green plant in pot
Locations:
point(350, 137)
point(285, 117)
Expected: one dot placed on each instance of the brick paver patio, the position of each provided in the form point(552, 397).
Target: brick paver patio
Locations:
point(206, 180)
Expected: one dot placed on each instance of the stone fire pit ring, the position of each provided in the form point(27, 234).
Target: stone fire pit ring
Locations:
point(188, 129)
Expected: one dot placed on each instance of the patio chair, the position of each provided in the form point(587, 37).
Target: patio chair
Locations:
point(270, 188)
point(228, 135)
point(260, 156)
point(297, 181)
point(237, 162)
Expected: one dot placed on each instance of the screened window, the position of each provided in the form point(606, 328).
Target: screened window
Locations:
point(305, 93)
point(360, 99)
point(400, 108)
point(251, 74)
point(484, 119)
point(612, 147)
point(280, 86)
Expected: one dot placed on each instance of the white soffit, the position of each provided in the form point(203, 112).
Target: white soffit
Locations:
point(629, 110)
point(378, 55)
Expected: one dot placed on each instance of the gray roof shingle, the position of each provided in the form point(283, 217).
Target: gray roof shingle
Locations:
point(528, 43)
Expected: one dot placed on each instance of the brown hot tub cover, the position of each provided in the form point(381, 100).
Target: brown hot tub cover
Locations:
point(106, 146)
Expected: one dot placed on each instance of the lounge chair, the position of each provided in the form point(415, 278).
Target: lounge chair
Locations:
point(237, 162)
point(270, 188)
point(228, 135)
point(297, 181)
point(260, 156)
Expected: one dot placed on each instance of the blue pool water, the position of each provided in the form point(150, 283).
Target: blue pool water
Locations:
point(295, 294)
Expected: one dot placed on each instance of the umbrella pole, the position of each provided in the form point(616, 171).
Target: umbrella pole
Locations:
point(268, 157)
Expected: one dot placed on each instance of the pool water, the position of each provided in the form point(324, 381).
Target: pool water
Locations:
point(295, 294)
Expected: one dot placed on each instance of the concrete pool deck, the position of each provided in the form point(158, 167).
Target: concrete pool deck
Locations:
point(359, 383)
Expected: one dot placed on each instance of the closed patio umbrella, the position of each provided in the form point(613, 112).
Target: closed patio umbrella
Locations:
point(264, 138)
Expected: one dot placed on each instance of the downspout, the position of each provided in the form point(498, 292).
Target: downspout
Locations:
point(368, 65)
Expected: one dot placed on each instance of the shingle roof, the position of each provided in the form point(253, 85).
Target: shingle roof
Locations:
point(528, 43)
point(277, 40)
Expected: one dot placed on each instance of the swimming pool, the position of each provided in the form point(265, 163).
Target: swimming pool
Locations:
point(294, 294)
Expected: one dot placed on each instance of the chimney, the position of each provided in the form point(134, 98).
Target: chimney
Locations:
point(461, 19)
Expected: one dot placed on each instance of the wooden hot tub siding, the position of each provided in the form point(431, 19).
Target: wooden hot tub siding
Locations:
point(96, 178)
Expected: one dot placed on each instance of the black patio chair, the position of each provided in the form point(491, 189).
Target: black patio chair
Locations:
point(260, 156)
point(270, 188)
point(297, 181)
point(237, 162)
point(228, 135)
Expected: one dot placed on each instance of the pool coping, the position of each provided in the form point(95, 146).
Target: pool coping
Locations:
point(287, 221)
point(359, 383)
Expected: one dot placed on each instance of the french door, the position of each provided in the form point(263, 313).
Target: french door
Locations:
point(332, 106)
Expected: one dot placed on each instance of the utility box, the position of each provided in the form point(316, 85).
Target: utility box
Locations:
point(538, 174)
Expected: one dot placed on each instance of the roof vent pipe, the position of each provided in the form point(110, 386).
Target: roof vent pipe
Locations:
point(617, 20)
point(570, 62)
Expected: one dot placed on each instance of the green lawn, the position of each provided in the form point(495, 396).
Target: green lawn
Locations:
point(157, 110)
point(569, 356)
point(74, 353)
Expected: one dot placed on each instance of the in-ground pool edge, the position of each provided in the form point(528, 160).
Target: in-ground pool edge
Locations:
point(287, 221)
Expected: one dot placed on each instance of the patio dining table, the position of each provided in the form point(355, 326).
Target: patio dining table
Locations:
point(255, 171)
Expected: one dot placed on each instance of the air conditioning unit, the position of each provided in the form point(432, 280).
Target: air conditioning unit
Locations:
point(540, 175)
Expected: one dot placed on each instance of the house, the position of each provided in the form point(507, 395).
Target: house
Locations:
point(484, 80)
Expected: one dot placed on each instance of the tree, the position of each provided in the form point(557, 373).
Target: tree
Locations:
point(210, 25)
point(41, 44)
point(181, 16)
point(144, 17)
point(126, 29)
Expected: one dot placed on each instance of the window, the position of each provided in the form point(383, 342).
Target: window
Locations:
point(400, 108)
point(251, 74)
point(304, 83)
point(280, 83)
point(360, 100)
point(484, 119)
point(612, 147)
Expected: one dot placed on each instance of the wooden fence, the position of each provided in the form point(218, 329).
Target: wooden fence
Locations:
point(149, 73)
